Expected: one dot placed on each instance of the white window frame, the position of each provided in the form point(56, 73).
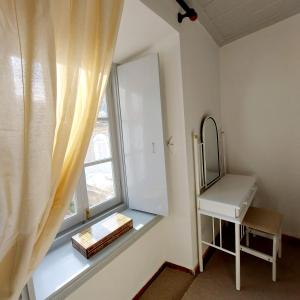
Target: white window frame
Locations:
point(83, 211)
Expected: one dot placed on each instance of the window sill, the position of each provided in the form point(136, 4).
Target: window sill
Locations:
point(65, 269)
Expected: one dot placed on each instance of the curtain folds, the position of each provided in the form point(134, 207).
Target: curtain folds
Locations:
point(55, 58)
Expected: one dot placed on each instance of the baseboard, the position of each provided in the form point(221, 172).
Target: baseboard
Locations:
point(291, 239)
point(164, 265)
point(206, 256)
point(144, 288)
point(178, 268)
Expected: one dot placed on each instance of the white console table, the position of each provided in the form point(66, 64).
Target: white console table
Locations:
point(227, 200)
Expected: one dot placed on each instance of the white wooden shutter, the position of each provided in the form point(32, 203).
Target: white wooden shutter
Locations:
point(142, 128)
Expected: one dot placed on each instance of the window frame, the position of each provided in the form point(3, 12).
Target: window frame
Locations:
point(84, 213)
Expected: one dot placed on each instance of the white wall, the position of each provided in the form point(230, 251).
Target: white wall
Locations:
point(189, 69)
point(260, 88)
point(201, 95)
point(127, 273)
point(200, 72)
point(170, 239)
point(178, 240)
point(260, 106)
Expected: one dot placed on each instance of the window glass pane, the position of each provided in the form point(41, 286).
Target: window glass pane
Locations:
point(72, 209)
point(103, 108)
point(99, 183)
point(99, 147)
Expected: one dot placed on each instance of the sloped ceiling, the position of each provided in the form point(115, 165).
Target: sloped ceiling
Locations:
point(228, 20)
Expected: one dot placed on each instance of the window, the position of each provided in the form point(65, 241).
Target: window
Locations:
point(99, 187)
point(127, 140)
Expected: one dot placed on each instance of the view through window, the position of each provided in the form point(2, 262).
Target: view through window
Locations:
point(98, 162)
point(99, 186)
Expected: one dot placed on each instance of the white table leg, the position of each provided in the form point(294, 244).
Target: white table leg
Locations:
point(274, 258)
point(200, 242)
point(237, 257)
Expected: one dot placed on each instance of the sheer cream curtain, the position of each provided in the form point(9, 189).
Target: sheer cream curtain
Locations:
point(55, 58)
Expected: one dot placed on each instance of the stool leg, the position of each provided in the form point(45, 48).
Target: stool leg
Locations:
point(274, 258)
point(280, 245)
point(247, 237)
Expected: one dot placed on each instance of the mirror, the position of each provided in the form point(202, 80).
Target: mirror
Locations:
point(210, 151)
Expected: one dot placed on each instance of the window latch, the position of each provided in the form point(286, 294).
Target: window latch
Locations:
point(87, 214)
point(153, 148)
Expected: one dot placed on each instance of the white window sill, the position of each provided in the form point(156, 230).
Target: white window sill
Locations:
point(64, 268)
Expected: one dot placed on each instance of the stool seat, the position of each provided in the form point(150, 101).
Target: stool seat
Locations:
point(264, 220)
point(265, 223)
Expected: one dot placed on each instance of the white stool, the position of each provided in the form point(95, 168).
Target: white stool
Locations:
point(265, 223)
